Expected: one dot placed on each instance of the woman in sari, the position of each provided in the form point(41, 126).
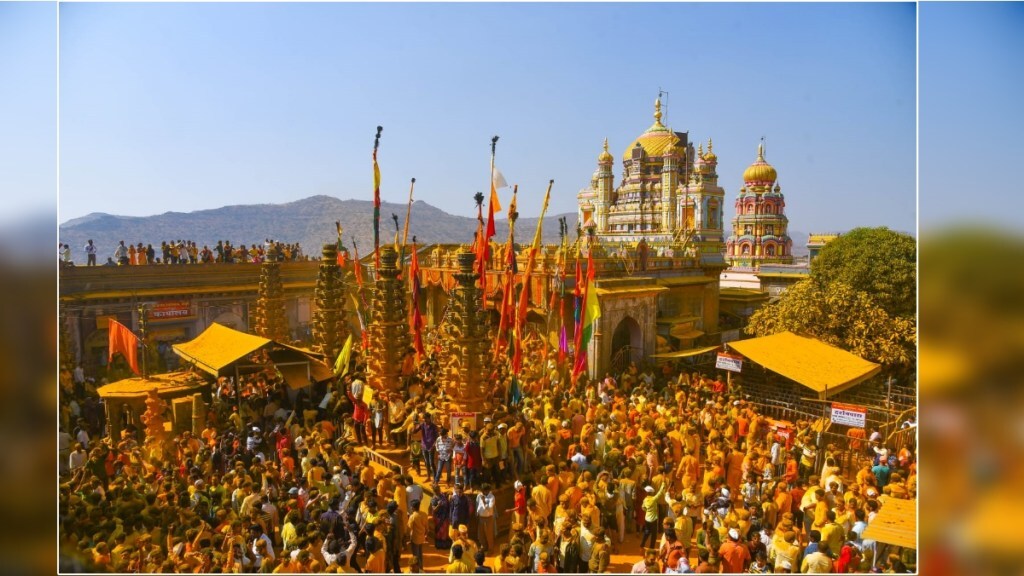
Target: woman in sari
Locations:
point(439, 510)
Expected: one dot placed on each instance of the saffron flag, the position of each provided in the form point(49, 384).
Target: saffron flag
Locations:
point(591, 312)
point(123, 341)
point(341, 364)
point(524, 295)
point(417, 319)
point(494, 206)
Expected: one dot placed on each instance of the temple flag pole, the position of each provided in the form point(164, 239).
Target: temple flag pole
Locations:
point(376, 201)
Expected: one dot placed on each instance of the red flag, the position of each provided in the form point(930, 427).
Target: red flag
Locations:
point(481, 247)
point(125, 342)
point(417, 319)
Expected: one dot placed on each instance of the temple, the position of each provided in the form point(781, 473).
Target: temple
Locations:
point(760, 228)
point(668, 195)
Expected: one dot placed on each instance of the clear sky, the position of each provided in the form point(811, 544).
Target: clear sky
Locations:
point(28, 110)
point(179, 107)
point(972, 122)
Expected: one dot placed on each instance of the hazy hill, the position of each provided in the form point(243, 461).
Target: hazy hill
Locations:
point(310, 222)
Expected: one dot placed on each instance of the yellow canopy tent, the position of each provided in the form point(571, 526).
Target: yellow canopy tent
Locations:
point(896, 524)
point(823, 368)
point(218, 347)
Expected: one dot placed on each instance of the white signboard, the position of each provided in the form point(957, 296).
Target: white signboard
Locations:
point(730, 363)
point(846, 415)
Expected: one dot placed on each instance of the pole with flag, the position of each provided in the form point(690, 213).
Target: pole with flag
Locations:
point(340, 252)
point(358, 268)
point(414, 286)
point(376, 201)
point(591, 312)
point(397, 230)
point(493, 205)
point(123, 341)
point(408, 217)
point(524, 294)
point(341, 364)
point(480, 246)
point(508, 296)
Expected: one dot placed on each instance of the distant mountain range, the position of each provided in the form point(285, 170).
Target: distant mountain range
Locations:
point(309, 222)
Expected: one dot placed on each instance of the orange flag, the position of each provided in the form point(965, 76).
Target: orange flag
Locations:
point(123, 341)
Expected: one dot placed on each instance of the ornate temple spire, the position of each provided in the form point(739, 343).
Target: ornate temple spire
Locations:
point(657, 111)
point(606, 156)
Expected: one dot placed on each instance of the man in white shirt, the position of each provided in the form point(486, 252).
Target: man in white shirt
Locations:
point(90, 253)
point(77, 458)
point(413, 493)
point(486, 522)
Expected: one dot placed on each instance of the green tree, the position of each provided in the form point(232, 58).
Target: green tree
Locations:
point(878, 261)
point(841, 316)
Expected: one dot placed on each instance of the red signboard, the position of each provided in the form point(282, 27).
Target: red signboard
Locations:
point(171, 310)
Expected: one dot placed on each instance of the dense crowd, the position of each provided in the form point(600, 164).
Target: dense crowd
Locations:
point(186, 252)
point(277, 481)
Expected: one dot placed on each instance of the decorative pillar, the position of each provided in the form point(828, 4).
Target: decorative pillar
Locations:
point(330, 327)
point(467, 361)
point(270, 321)
point(389, 327)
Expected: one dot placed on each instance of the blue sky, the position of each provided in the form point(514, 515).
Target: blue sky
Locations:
point(972, 125)
point(28, 110)
point(180, 107)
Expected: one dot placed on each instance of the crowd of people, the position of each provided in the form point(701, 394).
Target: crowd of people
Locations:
point(185, 252)
point(278, 481)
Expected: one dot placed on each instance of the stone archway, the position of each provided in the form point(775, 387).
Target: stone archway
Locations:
point(627, 343)
point(231, 320)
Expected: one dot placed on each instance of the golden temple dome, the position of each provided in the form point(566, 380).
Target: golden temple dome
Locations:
point(710, 156)
point(605, 157)
point(656, 140)
point(760, 171)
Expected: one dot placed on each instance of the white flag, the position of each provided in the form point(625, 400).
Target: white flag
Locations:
point(498, 180)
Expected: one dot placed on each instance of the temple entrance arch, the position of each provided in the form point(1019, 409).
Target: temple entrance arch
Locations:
point(231, 320)
point(627, 344)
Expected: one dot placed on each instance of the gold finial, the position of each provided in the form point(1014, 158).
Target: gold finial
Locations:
point(605, 144)
point(657, 110)
point(760, 151)
point(700, 150)
point(709, 145)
